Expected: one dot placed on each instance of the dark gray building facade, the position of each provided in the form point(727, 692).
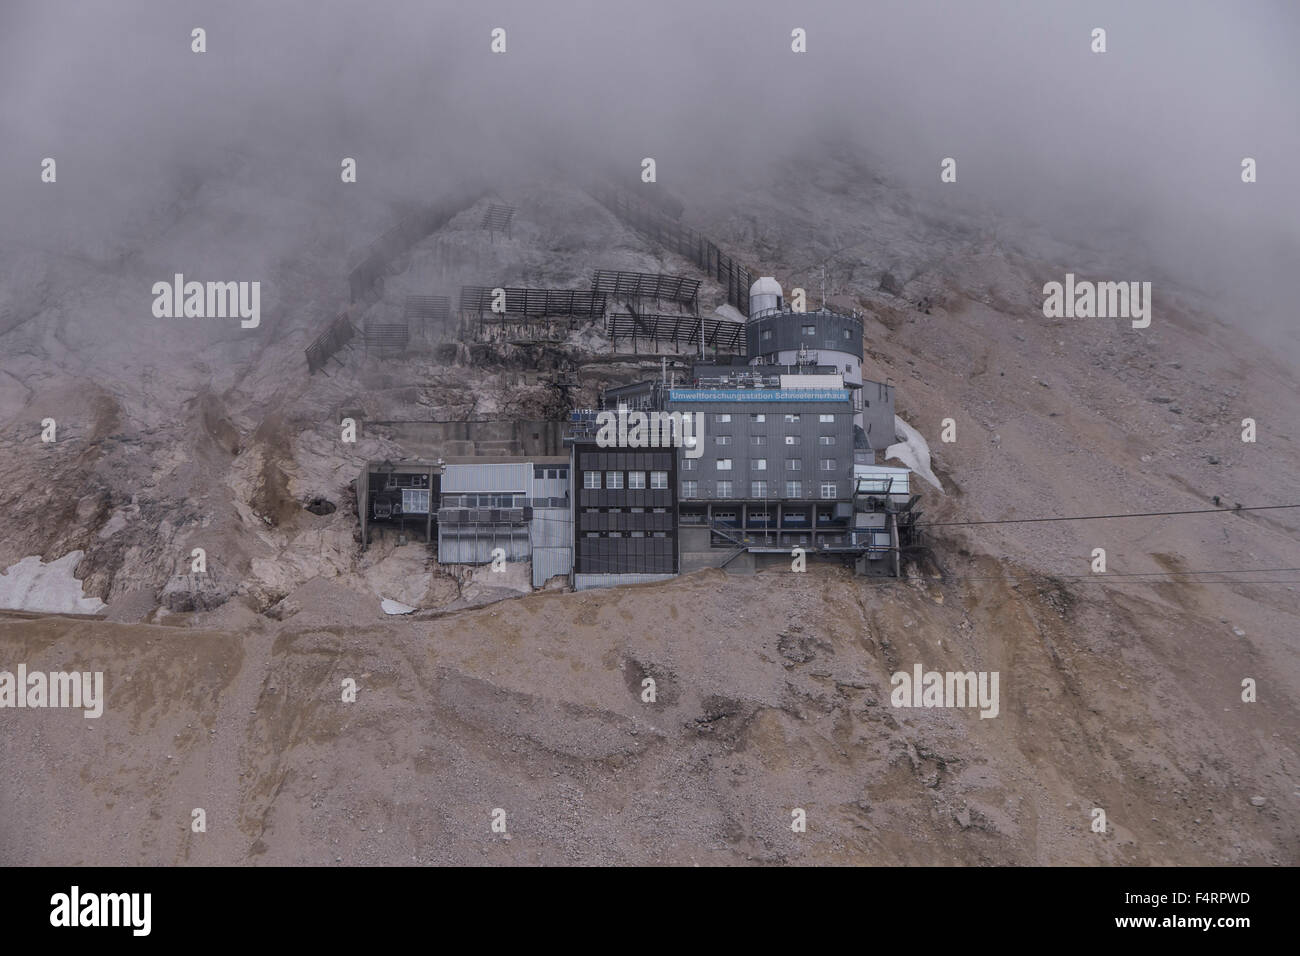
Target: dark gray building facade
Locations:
point(625, 509)
point(776, 469)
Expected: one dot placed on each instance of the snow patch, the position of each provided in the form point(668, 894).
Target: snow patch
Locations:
point(30, 585)
point(913, 451)
point(730, 313)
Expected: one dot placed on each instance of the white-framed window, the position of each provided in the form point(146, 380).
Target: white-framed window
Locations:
point(759, 464)
point(614, 480)
point(810, 330)
point(724, 464)
point(591, 479)
point(758, 489)
point(826, 418)
point(636, 480)
point(758, 439)
point(658, 480)
point(759, 418)
point(791, 419)
point(794, 489)
point(722, 419)
point(794, 464)
point(826, 440)
point(690, 489)
point(829, 489)
point(724, 489)
point(688, 464)
point(828, 464)
point(767, 335)
point(792, 439)
point(722, 439)
point(415, 501)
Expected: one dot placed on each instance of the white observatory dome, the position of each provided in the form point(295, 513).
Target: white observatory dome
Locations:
point(764, 294)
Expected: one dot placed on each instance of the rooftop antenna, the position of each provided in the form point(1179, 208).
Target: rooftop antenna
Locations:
point(823, 286)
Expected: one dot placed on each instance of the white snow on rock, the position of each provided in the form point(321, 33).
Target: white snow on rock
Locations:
point(395, 607)
point(729, 312)
point(913, 451)
point(30, 585)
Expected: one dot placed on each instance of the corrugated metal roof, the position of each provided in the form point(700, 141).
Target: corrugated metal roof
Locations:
point(515, 476)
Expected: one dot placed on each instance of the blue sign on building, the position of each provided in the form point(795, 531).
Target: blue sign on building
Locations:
point(758, 395)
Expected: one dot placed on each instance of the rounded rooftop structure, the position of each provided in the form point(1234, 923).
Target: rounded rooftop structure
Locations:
point(764, 295)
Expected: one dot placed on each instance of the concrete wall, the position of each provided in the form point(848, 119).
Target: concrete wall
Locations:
point(470, 439)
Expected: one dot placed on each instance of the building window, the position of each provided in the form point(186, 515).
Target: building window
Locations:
point(794, 464)
point(688, 464)
point(616, 534)
point(848, 334)
point(810, 330)
point(826, 418)
point(690, 489)
point(759, 464)
point(828, 489)
point(828, 464)
point(722, 419)
point(826, 440)
point(724, 489)
point(794, 489)
point(722, 439)
point(614, 480)
point(758, 439)
point(791, 419)
point(758, 489)
point(658, 480)
point(758, 419)
point(767, 335)
point(724, 464)
point(637, 534)
point(636, 480)
point(792, 439)
point(415, 501)
point(591, 479)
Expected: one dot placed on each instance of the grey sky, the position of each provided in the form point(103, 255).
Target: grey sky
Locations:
point(1144, 141)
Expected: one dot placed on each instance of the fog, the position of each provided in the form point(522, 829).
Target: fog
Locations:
point(1137, 149)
